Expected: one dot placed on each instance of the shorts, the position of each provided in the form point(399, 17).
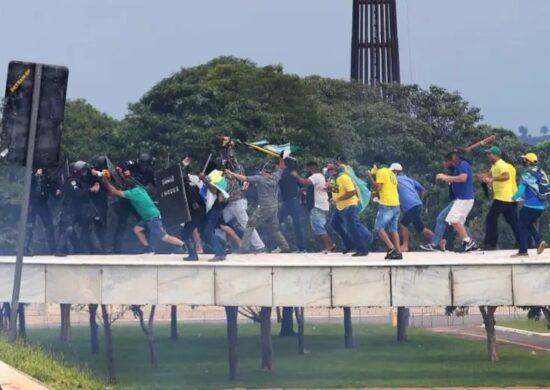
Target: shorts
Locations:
point(154, 226)
point(318, 219)
point(459, 211)
point(387, 218)
point(414, 216)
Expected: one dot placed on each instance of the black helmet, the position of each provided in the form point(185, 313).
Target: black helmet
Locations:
point(145, 158)
point(100, 162)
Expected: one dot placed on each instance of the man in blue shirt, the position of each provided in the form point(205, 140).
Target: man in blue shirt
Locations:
point(462, 184)
point(411, 194)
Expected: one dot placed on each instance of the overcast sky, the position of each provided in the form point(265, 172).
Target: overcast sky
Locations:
point(495, 52)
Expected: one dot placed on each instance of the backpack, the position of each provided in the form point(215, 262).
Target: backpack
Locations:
point(542, 184)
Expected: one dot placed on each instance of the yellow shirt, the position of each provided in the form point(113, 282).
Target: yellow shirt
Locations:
point(340, 186)
point(503, 190)
point(389, 195)
point(513, 177)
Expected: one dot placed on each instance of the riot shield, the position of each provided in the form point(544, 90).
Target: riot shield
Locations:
point(173, 204)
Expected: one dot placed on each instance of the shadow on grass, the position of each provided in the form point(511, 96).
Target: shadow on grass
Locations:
point(199, 359)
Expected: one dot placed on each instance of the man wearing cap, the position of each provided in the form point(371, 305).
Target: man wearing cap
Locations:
point(388, 211)
point(411, 194)
point(533, 206)
point(502, 177)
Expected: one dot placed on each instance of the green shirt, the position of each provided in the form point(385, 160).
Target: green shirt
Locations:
point(142, 202)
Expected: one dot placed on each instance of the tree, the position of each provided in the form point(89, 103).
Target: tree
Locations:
point(147, 329)
point(544, 130)
point(265, 337)
point(108, 317)
point(65, 330)
point(523, 131)
point(488, 314)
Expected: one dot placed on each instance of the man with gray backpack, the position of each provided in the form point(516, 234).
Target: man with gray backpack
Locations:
point(535, 189)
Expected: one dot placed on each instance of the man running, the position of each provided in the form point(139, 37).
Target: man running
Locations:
point(267, 184)
point(411, 195)
point(502, 177)
point(318, 203)
point(387, 217)
point(462, 184)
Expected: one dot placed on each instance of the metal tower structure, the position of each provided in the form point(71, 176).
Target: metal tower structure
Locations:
point(374, 42)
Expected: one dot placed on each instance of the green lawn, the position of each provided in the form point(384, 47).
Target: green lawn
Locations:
point(48, 369)
point(540, 326)
point(198, 360)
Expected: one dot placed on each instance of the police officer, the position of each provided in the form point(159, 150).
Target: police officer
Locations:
point(78, 210)
point(100, 200)
point(41, 188)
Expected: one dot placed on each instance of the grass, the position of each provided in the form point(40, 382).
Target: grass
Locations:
point(46, 367)
point(539, 326)
point(199, 359)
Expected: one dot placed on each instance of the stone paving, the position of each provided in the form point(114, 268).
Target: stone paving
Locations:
point(12, 379)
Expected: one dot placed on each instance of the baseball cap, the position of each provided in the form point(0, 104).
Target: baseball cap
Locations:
point(494, 150)
point(396, 167)
point(531, 157)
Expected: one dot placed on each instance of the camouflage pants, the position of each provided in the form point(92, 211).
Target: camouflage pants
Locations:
point(268, 218)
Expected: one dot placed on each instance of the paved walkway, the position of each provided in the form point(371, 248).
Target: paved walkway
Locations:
point(473, 332)
point(12, 379)
point(403, 388)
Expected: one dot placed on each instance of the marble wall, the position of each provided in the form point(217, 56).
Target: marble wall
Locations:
point(355, 285)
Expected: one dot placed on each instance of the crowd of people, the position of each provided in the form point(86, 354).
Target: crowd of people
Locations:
point(333, 195)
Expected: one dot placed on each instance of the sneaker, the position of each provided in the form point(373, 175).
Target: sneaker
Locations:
point(519, 254)
point(394, 255)
point(346, 251)
point(279, 250)
point(471, 245)
point(429, 248)
point(259, 250)
point(541, 247)
point(360, 254)
point(191, 258)
point(217, 258)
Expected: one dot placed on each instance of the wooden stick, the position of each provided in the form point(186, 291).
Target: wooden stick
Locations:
point(483, 142)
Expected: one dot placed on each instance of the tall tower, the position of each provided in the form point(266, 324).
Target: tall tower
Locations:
point(374, 43)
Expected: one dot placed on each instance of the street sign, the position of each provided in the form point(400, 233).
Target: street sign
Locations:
point(17, 113)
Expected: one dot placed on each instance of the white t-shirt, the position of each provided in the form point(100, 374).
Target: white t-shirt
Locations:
point(320, 194)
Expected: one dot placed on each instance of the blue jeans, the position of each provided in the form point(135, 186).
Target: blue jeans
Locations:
point(294, 209)
point(355, 235)
point(208, 231)
point(318, 219)
point(527, 219)
point(387, 218)
point(441, 225)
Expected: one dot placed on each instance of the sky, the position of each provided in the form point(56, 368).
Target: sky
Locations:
point(494, 52)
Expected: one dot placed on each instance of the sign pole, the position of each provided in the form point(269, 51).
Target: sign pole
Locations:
point(12, 337)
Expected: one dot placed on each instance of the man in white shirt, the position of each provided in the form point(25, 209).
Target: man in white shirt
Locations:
point(317, 203)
